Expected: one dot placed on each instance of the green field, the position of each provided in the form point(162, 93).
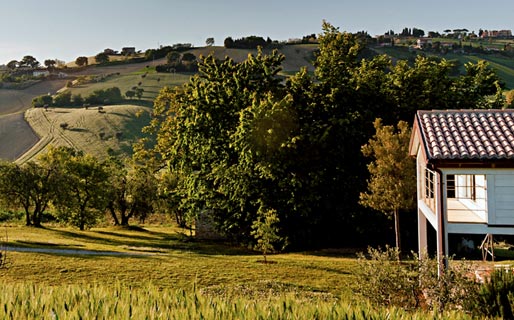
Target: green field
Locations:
point(112, 131)
point(155, 271)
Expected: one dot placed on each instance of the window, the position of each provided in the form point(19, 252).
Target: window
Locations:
point(466, 186)
point(450, 186)
point(429, 188)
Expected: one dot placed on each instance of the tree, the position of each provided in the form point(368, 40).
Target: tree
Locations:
point(265, 231)
point(229, 42)
point(173, 57)
point(82, 195)
point(62, 99)
point(139, 93)
point(77, 99)
point(392, 183)
point(41, 101)
point(133, 191)
point(130, 94)
point(209, 42)
point(50, 63)
point(31, 186)
point(101, 58)
point(13, 64)
point(188, 57)
point(29, 61)
point(81, 61)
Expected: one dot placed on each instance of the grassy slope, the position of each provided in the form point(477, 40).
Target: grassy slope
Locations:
point(114, 130)
point(169, 260)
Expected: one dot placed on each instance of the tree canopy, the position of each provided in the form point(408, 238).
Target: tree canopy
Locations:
point(239, 140)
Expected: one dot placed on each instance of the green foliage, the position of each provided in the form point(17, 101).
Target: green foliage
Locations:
point(83, 187)
point(154, 302)
point(101, 96)
point(81, 61)
point(236, 137)
point(62, 99)
point(102, 58)
point(41, 101)
point(417, 283)
point(132, 192)
point(265, 231)
point(509, 99)
point(31, 186)
point(392, 184)
point(496, 295)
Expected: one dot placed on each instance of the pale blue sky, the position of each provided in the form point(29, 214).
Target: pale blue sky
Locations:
point(66, 29)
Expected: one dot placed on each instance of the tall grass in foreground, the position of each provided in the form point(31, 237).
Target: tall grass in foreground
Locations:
point(30, 301)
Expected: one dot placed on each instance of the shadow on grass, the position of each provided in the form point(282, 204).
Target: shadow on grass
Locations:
point(152, 239)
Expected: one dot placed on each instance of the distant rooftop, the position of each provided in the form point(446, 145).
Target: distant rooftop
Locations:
point(467, 134)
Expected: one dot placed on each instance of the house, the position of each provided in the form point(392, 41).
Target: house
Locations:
point(465, 174)
point(422, 43)
point(128, 51)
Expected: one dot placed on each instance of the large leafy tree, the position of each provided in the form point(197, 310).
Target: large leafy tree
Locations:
point(30, 186)
point(82, 195)
point(81, 61)
point(236, 139)
point(29, 61)
point(132, 193)
point(102, 57)
point(392, 183)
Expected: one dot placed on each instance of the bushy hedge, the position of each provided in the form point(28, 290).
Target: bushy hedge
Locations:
point(102, 96)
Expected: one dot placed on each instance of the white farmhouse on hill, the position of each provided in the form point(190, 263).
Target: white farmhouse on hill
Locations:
point(465, 173)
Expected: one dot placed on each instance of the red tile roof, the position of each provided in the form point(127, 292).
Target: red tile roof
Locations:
point(467, 134)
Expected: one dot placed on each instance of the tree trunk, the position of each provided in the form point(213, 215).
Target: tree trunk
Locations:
point(113, 214)
point(27, 217)
point(397, 229)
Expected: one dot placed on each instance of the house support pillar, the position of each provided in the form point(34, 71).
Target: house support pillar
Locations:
point(422, 234)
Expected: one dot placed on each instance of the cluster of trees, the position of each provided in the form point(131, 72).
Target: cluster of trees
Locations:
point(179, 62)
point(239, 144)
point(414, 32)
point(77, 188)
point(251, 42)
point(63, 99)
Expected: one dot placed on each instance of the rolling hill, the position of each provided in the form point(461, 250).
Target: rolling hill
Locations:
point(117, 128)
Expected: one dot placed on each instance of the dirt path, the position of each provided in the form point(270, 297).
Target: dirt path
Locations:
point(75, 251)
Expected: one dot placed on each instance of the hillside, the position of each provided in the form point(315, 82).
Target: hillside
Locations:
point(86, 125)
point(109, 132)
point(16, 136)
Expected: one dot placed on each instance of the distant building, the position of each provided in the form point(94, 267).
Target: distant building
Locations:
point(41, 73)
point(110, 52)
point(422, 43)
point(128, 51)
point(497, 34)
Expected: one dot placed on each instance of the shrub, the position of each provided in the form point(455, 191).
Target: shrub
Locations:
point(496, 295)
point(416, 283)
point(388, 281)
point(40, 101)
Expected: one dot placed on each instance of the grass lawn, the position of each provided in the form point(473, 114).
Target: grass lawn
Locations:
point(169, 259)
point(169, 275)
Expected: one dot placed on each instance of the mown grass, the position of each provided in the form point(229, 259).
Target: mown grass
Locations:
point(110, 132)
point(176, 277)
point(168, 259)
point(151, 82)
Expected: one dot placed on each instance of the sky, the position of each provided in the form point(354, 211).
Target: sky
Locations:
point(66, 29)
